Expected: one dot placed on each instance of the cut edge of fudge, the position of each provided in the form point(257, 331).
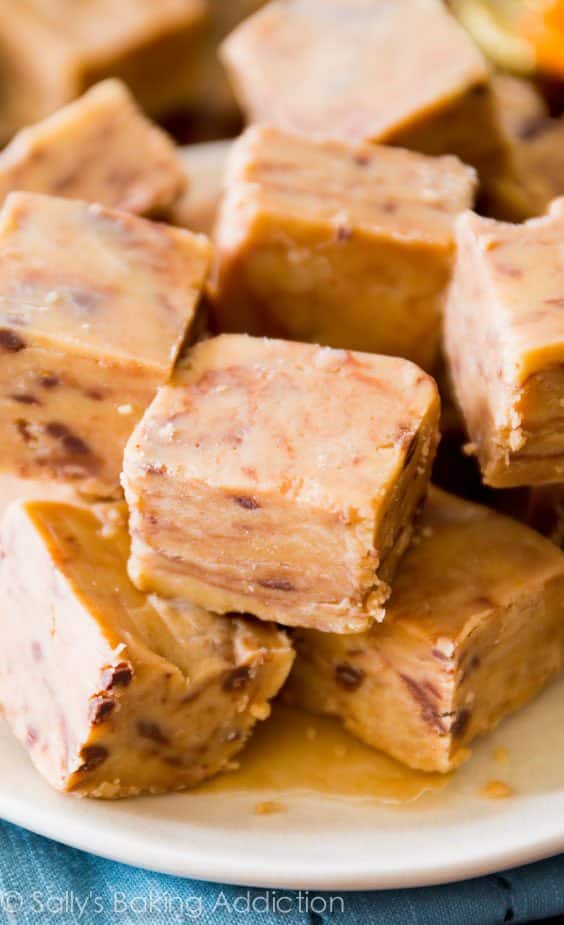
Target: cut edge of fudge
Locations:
point(268, 189)
point(507, 374)
point(131, 694)
point(360, 529)
point(349, 246)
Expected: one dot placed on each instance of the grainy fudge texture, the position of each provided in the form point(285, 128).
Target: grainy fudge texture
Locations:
point(113, 693)
point(350, 246)
point(504, 335)
point(474, 629)
point(536, 148)
point(94, 306)
point(396, 71)
point(205, 166)
point(52, 50)
point(281, 479)
point(100, 148)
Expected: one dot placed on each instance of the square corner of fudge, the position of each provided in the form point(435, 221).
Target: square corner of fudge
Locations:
point(94, 307)
point(111, 692)
point(345, 245)
point(474, 630)
point(281, 479)
point(504, 333)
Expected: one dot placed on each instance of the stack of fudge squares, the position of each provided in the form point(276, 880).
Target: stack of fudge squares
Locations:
point(246, 429)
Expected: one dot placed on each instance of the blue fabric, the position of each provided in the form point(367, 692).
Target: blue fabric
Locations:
point(42, 882)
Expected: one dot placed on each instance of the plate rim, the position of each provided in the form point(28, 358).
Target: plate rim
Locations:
point(190, 864)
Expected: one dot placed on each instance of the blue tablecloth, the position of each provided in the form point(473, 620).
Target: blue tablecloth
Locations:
point(42, 882)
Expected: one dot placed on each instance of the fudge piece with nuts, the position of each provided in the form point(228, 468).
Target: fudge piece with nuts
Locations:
point(349, 246)
point(475, 628)
point(330, 70)
point(90, 150)
point(53, 50)
point(504, 333)
point(281, 479)
point(94, 306)
point(114, 693)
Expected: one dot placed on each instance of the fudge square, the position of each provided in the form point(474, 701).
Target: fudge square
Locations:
point(359, 70)
point(474, 629)
point(504, 332)
point(348, 246)
point(113, 693)
point(94, 306)
point(90, 150)
point(53, 50)
point(280, 479)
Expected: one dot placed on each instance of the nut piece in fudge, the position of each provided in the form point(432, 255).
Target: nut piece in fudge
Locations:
point(281, 479)
point(154, 47)
point(349, 246)
point(331, 70)
point(90, 150)
point(94, 306)
point(474, 629)
point(114, 693)
point(504, 332)
point(205, 165)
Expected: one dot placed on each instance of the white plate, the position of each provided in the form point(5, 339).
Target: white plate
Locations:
point(321, 842)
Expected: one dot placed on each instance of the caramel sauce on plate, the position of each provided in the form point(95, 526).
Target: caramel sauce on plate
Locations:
point(295, 751)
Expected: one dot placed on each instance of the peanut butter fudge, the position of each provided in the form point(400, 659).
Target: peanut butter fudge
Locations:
point(53, 50)
point(111, 692)
point(474, 629)
point(504, 335)
point(344, 245)
point(90, 150)
point(360, 70)
point(205, 166)
point(280, 479)
point(94, 306)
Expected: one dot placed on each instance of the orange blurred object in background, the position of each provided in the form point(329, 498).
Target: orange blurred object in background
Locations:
point(542, 24)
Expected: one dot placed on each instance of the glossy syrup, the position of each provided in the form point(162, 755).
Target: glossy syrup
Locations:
point(294, 751)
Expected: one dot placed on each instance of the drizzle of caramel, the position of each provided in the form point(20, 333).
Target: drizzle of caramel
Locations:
point(295, 752)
